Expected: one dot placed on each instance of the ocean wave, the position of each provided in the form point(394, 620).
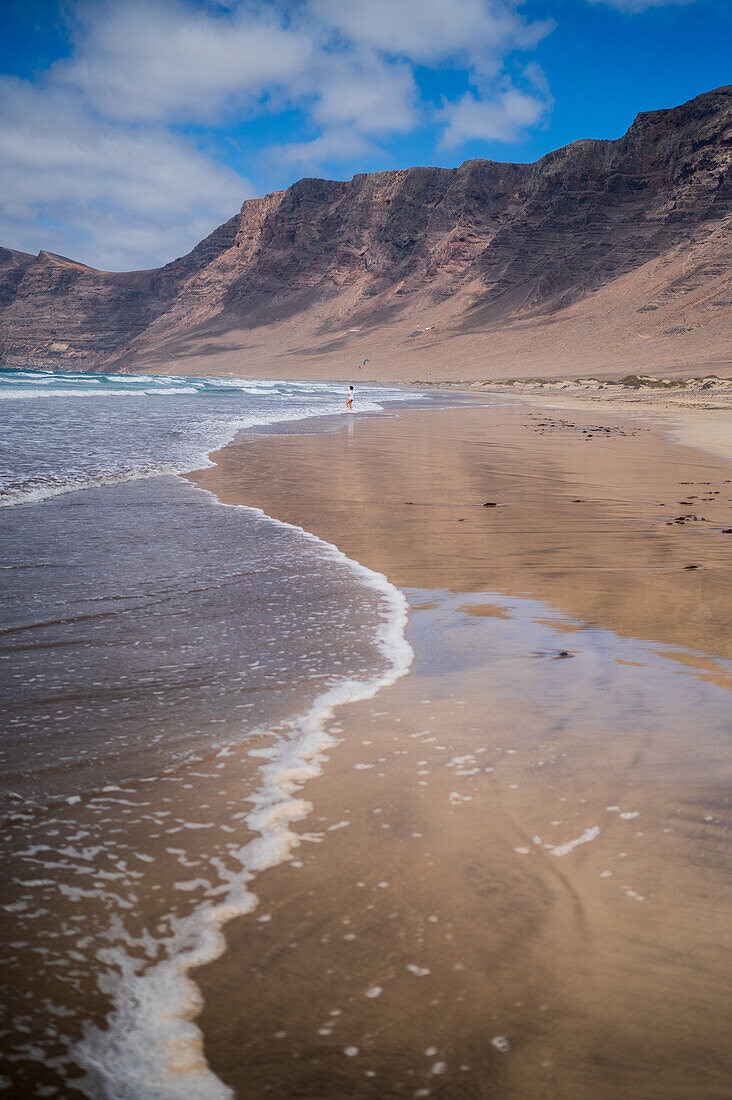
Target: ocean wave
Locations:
point(150, 1046)
point(16, 384)
point(39, 486)
point(21, 395)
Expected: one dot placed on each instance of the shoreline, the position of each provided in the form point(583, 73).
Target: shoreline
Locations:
point(221, 433)
point(331, 481)
point(120, 1054)
point(538, 455)
point(159, 917)
point(389, 490)
point(330, 1019)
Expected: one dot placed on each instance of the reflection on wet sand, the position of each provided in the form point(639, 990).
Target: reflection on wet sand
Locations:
point(513, 882)
point(584, 524)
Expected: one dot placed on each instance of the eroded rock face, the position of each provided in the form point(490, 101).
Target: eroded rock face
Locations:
point(500, 241)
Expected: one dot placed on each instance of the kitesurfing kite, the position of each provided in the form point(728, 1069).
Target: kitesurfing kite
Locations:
point(364, 363)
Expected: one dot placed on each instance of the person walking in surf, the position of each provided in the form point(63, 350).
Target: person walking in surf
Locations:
point(349, 399)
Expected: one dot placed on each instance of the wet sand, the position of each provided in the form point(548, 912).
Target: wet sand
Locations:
point(514, 878)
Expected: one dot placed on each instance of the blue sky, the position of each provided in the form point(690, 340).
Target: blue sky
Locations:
point(130, 128)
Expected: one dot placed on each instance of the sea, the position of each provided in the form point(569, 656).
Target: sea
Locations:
point(169, 671)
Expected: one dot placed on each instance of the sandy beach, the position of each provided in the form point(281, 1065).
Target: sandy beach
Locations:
point(417, 777)
point(511, 881)
point(366, 550)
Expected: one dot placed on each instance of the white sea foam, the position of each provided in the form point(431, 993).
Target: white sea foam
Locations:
point(418, 971)
point(20, 395)
point(215, 411)
point(151, 1048)
point(79, 481)
point(15, 384)
point(585, 838)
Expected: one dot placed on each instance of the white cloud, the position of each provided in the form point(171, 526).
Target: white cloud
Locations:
point(343, 63)
point(476, 32)
point(503, 116)
point(94, 157)
point(472, 34)
point(162, 60)
point(117, 193)
point(371, 96)
point(334, 144)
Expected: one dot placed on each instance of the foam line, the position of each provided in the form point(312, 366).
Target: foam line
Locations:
point(201, 461)
point(151, 1047)
point(49, 386)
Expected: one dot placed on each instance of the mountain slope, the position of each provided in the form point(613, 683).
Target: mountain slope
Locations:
point(605, 255)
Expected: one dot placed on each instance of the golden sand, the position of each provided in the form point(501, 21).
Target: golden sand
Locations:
point(512, 882)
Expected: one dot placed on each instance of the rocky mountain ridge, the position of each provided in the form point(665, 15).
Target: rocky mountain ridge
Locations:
point(487, 268)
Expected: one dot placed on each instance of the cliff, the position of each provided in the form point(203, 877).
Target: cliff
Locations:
point(608, 256)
